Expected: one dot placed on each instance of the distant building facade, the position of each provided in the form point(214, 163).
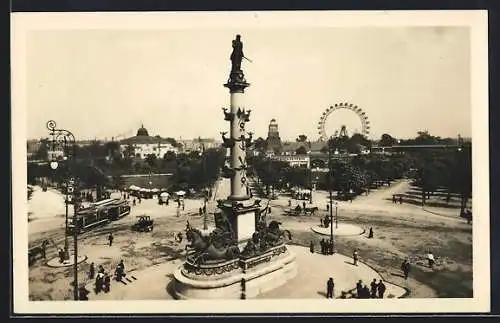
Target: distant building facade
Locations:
point(293, 160)
point(143, 145)
point(189, 145)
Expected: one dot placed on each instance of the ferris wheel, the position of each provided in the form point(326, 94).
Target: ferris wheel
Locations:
point(365, 123)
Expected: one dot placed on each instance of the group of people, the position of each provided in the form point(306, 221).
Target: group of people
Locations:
point(396, 200)
point(327, 247)
point(103, 279)
point(376, 290)
point(139, 200)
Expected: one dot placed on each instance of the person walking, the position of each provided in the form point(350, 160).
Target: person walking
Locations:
point(373, 289)
point(381, 289)
point(92, 271)
point(329, 288)
point(355, 257)
point(98, 283)
point(107, 283)
point(431, 260)
point(359, 289)
point(311, 247)
point(370, 234)
point(83, 293)
point(393, 199)
point(366, 292)
point(110, 239)
point(405, 267)
point(401, 199)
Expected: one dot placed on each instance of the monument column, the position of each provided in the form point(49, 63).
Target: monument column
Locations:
point(238, 136)
point(243, 247)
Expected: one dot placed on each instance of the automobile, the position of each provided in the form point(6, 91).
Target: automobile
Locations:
point(144, 224)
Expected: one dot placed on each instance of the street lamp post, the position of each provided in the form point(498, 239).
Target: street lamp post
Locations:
point(65, 138)
point(310, 185)
point(336, 216)
point(330, 180)
point(54, 166)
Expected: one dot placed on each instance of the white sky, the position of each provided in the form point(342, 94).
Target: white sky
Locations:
point(103, 83)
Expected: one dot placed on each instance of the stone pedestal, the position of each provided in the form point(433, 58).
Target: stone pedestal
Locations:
point(224, 280)
point(242, 217)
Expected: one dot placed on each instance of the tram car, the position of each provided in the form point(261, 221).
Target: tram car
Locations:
point(98, 214)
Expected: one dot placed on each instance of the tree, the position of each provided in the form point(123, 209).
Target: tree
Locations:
point(387, 140)
point(112, 149)
point(301, 138)
point(301, 151)
point(42, 152)
point(169, 156)
point(151, 160)
point(129, 151)
point(260, 144)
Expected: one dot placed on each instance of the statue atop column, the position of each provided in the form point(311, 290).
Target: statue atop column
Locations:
point(237, 82)
point(237, 54)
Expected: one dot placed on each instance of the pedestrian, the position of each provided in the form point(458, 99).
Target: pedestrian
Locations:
point(61, 255)
point(405, 267)
point(100, 270)
point(133, 202)
point(200, 211)
point(304, 205)
point(393, 199)
point(92, 271)
point(330, 247)
point(106, 283)
point(366, 292)
point(289, 202)
point(381, 289)
point(373, 289)
point(118, 273)
point(359, 289)
point(370, 234)
point(140, 200)
point(430, 259)
point(329, 288)
point(98, 283)
point(322, 242)
point(401, 199)
point(355, 257)
point(328, 207)
point(83, 293)
point(110, 239)
point(311, 247)
point(121, 265)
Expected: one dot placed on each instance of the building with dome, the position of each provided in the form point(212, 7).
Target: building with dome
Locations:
point(143, 145)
